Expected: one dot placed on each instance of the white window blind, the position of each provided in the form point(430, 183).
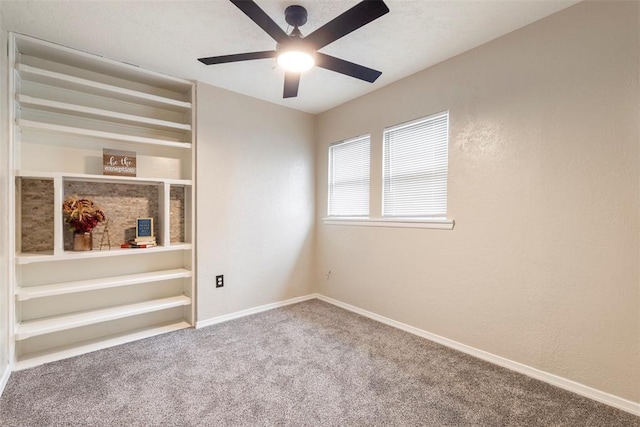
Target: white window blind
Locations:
point(415, 168)
point(349, 178)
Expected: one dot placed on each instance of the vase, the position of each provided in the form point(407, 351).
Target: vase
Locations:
point(82, 241)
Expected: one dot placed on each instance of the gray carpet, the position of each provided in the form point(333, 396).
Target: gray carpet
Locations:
point(309, 364)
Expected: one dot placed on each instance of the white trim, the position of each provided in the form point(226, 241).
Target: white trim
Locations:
point(10, 239)
point(418, 121)
point(566, 384)
point(250, 311)
point(350, 140)
point(439, 224)
point(4, 379)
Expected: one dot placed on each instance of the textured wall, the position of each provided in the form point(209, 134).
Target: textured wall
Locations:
point(255, 195)
point(121, 203)
point(542, 267)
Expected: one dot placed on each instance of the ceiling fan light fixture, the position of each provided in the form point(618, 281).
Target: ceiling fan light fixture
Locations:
point(295, 53)
point(296, 61)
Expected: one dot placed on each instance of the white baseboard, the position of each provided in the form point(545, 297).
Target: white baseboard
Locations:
point(4, 379)
point(583, 390)
point(250, 311)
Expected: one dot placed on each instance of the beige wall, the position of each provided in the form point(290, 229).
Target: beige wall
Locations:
point(542, 266)
point(255, 198)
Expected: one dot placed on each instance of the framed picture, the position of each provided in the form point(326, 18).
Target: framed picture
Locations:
point(144, 229)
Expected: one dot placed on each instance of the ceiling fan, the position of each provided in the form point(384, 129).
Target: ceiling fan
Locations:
point(296, 53)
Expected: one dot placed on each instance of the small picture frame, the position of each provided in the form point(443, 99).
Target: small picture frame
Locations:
point(144, 229)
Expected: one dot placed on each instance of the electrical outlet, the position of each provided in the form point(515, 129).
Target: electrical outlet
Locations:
point(219, 281)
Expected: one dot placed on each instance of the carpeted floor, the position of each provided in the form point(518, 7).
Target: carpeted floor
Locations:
point(309, 364)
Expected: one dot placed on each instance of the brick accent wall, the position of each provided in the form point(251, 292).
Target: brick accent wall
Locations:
point(121, 203)
point(36, 215)
point(177, 205)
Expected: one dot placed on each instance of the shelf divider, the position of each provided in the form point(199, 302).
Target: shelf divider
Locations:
point(58, 223)
point(166, 209)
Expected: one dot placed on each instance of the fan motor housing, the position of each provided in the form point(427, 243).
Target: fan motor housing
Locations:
point(295, 15)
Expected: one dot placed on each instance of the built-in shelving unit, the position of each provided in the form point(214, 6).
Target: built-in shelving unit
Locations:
point(67, 107)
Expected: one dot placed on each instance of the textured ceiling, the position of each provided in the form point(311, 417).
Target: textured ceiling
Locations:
point(168, 36)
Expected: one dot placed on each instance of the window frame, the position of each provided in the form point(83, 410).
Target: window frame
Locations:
point(356, 139)
point(439, 223)
point(405, 125)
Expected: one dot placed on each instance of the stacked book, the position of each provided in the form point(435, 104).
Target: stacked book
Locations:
point(140, 243)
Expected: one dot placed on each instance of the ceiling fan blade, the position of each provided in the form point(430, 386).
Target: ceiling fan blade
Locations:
point(291, 83)
point(354, 18)
point(238, 57)
point(345, 67)
point(259, 16)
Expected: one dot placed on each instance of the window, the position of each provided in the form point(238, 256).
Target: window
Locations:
point(349, 178)
point(415, 168)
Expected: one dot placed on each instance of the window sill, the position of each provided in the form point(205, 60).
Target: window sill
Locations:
point(439, 224)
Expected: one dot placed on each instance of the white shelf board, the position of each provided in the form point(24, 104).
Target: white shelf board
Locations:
point(30, 102)
point(101, 178)
point(31, 46)
point(30, 258)
point(49, 325)
point(53, 289)
point(91, 133)
point(64, 81)
point(59, 353)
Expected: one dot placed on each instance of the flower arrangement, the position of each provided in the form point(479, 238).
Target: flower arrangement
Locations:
point(82, 214)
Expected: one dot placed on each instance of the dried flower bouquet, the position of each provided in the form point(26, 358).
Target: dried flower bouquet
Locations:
point(82, 214)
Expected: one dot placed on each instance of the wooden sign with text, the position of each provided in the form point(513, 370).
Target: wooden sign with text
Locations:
point(116, 162)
